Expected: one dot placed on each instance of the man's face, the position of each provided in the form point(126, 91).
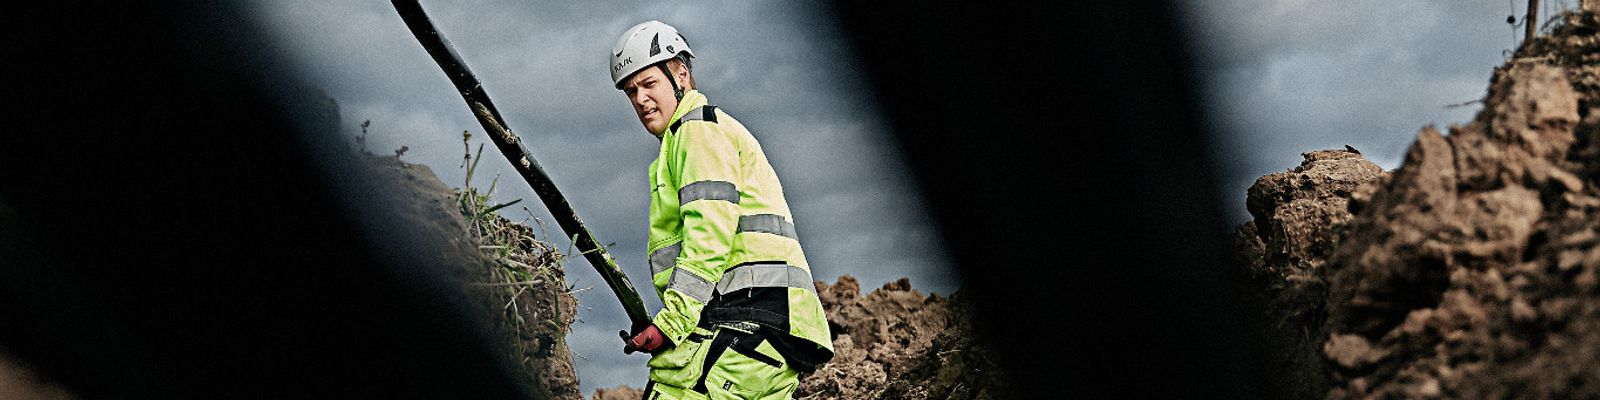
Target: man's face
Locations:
point(652, 98)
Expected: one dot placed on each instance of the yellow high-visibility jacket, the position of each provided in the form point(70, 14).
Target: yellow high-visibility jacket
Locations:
point(723, 247)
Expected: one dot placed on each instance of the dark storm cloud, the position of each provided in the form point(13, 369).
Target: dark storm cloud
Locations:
point(1285, 77)
point(781, 68)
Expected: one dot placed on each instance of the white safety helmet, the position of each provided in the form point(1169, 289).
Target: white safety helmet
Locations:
point(644, 45)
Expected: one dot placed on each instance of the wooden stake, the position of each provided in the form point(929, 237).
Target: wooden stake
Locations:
point(1533, 22)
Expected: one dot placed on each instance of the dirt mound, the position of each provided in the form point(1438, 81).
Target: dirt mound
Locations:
point(1299, 217)
point(1471, 271)
point(895, 343)
point(519, 285)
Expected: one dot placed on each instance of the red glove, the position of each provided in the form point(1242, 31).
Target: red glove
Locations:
point(648, 340)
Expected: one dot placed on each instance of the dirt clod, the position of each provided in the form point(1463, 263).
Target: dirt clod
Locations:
point(1299, 217)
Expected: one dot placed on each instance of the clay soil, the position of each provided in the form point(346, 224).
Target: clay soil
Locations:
point(1470, 271)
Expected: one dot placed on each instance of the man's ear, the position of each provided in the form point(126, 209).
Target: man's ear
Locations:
point(681, 73)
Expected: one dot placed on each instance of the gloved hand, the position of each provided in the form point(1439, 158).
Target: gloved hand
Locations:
point(648, 340)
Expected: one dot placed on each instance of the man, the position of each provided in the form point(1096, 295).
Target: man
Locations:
point(740, 315)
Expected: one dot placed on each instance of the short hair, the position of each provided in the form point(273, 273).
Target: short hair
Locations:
point(684, 58)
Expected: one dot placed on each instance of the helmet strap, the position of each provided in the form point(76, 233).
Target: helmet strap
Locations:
point(677, 92)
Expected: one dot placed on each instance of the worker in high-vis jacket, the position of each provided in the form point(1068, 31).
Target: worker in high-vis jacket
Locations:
point(740, 316)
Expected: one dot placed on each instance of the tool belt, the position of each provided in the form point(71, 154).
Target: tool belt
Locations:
point(742, 337)
point(757, 294)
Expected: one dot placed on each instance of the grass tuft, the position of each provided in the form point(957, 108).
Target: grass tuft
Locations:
point(521, 261)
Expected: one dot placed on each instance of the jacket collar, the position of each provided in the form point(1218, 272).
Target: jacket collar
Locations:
point(692, 99)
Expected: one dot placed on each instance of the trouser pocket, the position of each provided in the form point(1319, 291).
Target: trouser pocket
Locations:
point(742, 365)
point(660, 391)
point(680, 365)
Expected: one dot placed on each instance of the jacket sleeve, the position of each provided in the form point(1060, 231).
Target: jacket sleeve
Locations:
point(708, 195)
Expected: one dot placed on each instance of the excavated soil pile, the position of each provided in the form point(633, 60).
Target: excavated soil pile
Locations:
point(1471, 271)
point(1299, 216)
point(515, 280)
point(893, 343)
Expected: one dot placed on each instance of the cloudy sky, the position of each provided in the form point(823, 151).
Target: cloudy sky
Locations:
point(1281, 77)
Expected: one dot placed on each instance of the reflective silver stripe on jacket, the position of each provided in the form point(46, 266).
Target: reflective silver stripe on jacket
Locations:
point(664, 258)
point(706, 113)
point(697, 114)
point(766, 275)
point(708, 190)
point(690, 284)
point(768, 223)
